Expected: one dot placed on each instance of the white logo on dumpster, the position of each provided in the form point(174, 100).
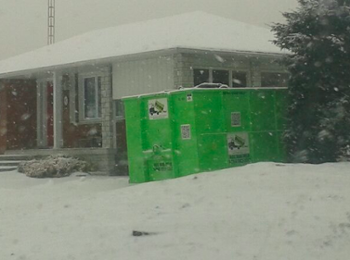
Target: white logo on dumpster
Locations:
point(158, 108)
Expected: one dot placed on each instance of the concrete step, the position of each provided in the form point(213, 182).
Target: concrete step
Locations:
point(9, 163)
point(7, 168)
point(13, 157)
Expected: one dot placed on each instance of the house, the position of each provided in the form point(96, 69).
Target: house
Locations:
point(65, 97)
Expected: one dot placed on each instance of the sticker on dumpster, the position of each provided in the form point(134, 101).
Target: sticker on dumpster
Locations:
point(186, 132)
point(238, 147)
point(189, 98)
point(158, 108)
point(236, 119)
point(162, 166)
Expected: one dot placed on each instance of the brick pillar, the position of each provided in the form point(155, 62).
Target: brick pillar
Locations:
point(107, 108)
point(183, 74)
point(255, 74)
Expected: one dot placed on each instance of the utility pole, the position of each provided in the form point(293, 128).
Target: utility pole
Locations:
point(51, 22)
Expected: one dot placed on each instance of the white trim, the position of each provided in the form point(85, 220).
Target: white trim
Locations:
point(57, 111)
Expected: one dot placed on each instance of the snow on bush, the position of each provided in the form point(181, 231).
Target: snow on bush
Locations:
point(54, 166)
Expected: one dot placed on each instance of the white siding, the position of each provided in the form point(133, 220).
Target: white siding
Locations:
point(143, 76)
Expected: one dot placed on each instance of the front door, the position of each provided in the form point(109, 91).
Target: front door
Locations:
point(45, 114)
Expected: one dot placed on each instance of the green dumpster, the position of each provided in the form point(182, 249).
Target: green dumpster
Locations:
point(194, 130)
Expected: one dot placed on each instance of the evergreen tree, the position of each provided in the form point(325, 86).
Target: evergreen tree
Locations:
point(317, 35)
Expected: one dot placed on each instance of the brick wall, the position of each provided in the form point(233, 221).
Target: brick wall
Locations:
point(107, 108)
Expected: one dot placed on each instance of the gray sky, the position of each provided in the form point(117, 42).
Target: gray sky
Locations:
point(23, 23)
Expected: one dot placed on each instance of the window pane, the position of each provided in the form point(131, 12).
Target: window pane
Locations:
point(119, 108)
point(90, 108)
point(239, 79)
point(270, 79)
point(221, 76)
point(200, 76)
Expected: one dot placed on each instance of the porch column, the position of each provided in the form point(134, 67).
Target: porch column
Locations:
point(57, 111)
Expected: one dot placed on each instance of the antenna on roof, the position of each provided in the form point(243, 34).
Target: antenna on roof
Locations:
point(51, 22)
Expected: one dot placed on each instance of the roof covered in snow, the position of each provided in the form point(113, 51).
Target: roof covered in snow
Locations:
point(196, 30)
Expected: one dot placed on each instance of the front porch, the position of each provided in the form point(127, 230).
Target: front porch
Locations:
point(64, 112)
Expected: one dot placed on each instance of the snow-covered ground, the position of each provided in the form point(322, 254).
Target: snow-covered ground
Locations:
point(260, 211)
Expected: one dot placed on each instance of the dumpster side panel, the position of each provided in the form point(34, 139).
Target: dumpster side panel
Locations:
point(208, 110)
point(185, 133)
point(237, 111)
point(281, 108)
point(156, 127)
point(262, 107)
point(281, 114)
point(238, 126)
point(212, 151)
point(211, 128)
point(264, 146)
point(157, 143)
point(133, 121)
point(267, 112)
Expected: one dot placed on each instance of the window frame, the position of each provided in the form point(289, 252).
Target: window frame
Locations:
point(230, 73)
point(122, 116)
point(82, 78)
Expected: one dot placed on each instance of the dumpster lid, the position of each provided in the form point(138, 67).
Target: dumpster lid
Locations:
point(205, 87)
point(212, 85)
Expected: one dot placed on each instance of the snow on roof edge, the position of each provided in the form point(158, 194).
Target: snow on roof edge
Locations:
point(106, 59)
point(84, 44)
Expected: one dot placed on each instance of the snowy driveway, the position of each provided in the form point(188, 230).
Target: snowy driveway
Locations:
point(260, 211)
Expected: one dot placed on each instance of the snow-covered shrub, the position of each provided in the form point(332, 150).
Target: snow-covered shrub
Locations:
point(345, 154)
point(54, 166)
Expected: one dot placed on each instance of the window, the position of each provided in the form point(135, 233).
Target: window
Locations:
point(92, 98)
point(221, 76)
point(119, 109)
point(274, 79)
point(231, 78)
point(200, 76)
point(239, 79)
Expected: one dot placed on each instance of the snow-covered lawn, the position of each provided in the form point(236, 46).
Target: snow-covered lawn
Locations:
point(260, 211)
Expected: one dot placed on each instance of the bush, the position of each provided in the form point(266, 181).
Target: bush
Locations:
point(317, 35)
point(55, 166)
